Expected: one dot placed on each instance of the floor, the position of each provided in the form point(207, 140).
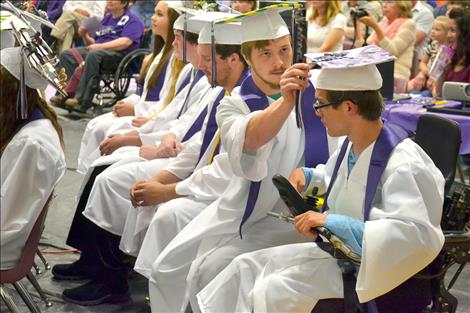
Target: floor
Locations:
point(57, 225)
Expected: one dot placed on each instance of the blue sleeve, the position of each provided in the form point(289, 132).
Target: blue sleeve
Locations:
point(308, 173)
point(348, 229)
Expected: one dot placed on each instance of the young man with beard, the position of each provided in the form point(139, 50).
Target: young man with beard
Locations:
point(261, 137)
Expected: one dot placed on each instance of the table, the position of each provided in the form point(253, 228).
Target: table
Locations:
point(406, 113)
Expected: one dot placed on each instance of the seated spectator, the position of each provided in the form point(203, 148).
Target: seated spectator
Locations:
point(120, 33)
point(396, 33)
point(356, 33)
point(73, 13)
point(457, 4)
point(459, 37)
point(326, 25)
point(438, 38)
point(423, 17)
point(244, 6)
point(32, 158)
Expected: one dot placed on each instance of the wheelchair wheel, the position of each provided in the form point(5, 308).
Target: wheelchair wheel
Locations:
point(127, 69)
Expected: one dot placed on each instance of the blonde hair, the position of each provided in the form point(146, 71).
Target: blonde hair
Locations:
point(175, 69)
point(442, 21)
point(405, 7)
point(332, 9)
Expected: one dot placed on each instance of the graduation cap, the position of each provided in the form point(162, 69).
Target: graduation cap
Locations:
point(214, 33)
point(353, 69)
point(182, 24)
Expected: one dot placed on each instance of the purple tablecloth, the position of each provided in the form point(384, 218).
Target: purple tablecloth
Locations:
point(407, 112)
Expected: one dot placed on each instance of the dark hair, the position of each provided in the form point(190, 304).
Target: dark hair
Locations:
point(227, 50)
point(463, 3)
point(127, 3)
point(369, 102)
point(160, 45)
point(462, 19)
point(9, 93)
point(192, 38)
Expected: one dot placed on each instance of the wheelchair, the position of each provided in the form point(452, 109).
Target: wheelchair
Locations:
point(115, 77)
point(426, 292)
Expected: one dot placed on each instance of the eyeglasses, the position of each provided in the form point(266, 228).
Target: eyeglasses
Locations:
point(317, 105)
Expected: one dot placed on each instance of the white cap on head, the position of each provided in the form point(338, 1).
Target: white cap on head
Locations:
point(265, 24)
point(366, 77)
point(225, 33)
point(350, 70)
point(11, 60)
point(191, 26)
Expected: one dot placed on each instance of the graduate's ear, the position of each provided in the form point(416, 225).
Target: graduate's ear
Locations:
point(351, 107)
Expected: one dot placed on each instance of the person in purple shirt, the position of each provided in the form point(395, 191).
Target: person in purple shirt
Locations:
point(120, 33)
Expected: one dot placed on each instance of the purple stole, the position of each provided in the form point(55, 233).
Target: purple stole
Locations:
point(154, 93)
point(199, 74)
point(140, 87)
point(316, 142)
point(390, 136)
point(184, 82)
point(212, 127)
point(36, 115)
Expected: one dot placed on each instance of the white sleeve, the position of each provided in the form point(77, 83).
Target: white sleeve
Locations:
point(97, 8)
point(208, 182)
point(339, 21)
point(233, 116)
point(27, 168)
point(406, 220)
point(184, 164)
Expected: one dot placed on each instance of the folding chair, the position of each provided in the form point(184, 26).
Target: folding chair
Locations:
point(23, 268)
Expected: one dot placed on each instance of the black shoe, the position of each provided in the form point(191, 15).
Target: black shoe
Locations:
point(73, 271)
point(94, 293)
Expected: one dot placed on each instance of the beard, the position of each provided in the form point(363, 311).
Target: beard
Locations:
point(270, 84)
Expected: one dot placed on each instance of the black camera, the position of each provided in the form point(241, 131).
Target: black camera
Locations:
point(358, 13)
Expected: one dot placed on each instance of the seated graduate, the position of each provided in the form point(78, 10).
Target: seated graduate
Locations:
point(260, 133)
point(162, 77)
point(384, 199)
point(32, 156)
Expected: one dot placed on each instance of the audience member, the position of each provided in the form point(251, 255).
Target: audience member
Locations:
point(423, 17)
point(459, 37)
point(396, 33)
point(244, 6)
point(356, 33)
point(120, 33)
point(73, 13)
point(438, 38)
point(326, 26)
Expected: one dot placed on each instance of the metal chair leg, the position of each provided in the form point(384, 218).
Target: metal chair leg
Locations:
point(43, 259)
point(32, 306)
point(38, 288)
point(37, 269)
point(8, 301)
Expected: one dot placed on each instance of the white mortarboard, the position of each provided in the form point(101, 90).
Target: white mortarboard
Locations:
point(225, 34)
point(191, 26)
point(350, 70)
point(265, 23)
point(11, 60)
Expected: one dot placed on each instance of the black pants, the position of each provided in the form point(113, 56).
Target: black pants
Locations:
point(100, 248)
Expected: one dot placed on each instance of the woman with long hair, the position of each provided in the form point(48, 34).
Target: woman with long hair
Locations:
point(326, 26)
point(396, 33)
point(160, 71)
point(32, 156)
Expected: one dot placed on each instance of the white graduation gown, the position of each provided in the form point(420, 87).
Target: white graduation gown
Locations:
point(102, 126)
point(182, 166)
point(31, 164)
point(109, 203)
point(211, 240)
point(200, 189)
point(405, 218)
